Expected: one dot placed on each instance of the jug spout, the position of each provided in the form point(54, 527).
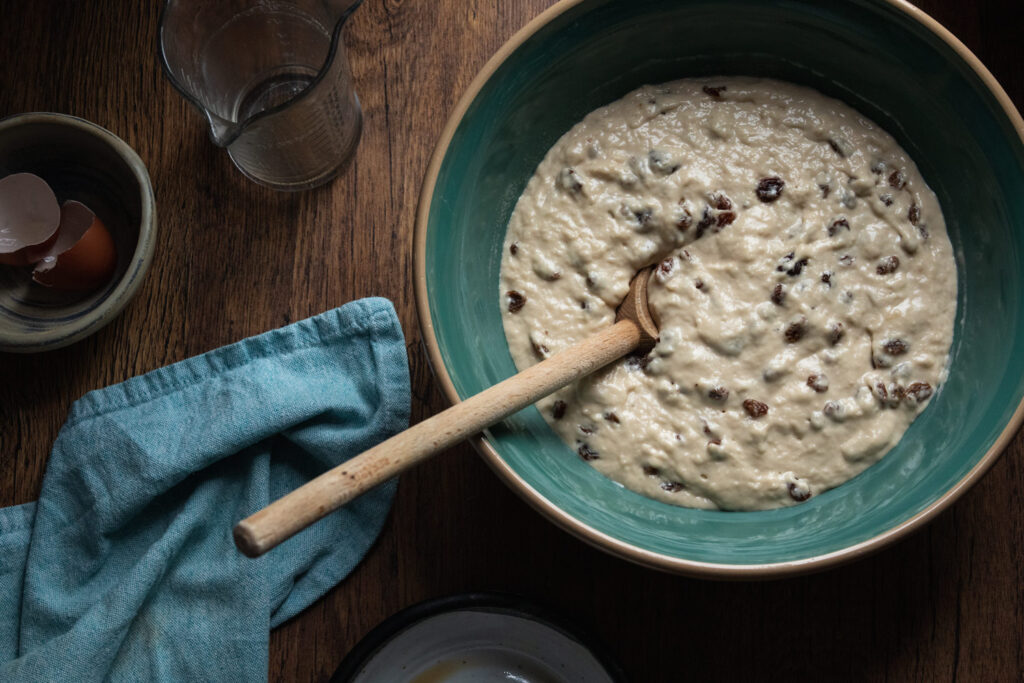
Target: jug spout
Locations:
point(272, 81)
point(222, 132)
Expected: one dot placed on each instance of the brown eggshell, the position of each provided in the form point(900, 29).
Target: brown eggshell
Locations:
point(29, 213)
point(86, 265)
point(26, 256)
point(75, 219)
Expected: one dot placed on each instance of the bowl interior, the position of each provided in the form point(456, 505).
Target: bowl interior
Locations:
point(871, 54)
point(83, 162)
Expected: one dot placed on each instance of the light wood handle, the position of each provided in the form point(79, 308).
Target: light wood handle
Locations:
point(287, 516)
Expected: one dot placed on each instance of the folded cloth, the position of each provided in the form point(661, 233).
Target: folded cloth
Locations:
point(125, 568)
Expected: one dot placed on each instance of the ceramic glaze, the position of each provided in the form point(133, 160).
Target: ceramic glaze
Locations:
point(885, 61)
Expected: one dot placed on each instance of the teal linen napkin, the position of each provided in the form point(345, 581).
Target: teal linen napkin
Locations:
point(125, 568)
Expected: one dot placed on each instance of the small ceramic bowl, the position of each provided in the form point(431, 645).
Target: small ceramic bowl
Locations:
point(887, 59)
point(477, 637)
point(87, 163)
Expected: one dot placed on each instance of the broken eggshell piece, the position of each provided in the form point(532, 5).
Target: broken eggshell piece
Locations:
point(29, 217)
point(75, 219)
point(83, 255)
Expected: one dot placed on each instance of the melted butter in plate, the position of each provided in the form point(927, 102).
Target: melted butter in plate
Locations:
point(484, 666)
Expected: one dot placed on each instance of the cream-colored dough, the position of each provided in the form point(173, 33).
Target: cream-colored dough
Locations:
point(806, 289)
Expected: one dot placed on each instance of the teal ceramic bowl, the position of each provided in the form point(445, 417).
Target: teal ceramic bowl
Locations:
point(885, 58)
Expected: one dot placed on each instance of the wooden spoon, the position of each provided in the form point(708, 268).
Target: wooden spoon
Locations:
point(634, 329)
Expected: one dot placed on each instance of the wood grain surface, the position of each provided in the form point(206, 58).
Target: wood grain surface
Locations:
point(234, 259)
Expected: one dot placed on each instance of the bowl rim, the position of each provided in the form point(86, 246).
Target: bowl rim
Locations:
point(577, 527)
point(138, 263)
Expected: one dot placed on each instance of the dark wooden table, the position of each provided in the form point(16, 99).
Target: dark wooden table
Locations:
point(234, 259)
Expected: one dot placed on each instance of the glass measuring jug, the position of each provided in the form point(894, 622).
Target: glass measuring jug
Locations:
point(272, 80)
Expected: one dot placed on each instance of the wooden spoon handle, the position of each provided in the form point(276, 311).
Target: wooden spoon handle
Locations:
point(287, 516)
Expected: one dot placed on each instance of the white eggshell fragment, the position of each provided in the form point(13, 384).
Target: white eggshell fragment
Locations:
point(75, 219)
point(29, 213)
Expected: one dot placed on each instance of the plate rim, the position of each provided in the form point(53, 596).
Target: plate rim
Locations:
point(492, 602)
